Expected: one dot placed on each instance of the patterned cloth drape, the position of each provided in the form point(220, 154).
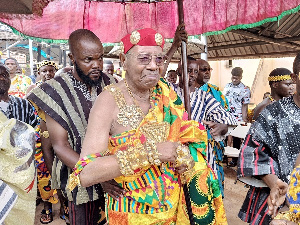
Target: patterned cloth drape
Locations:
point(111, 21)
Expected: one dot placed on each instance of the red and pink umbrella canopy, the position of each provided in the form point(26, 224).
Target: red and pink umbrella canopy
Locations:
point(111, 20)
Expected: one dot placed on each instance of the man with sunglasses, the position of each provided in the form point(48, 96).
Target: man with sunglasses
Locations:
point(208, 110)
point(238, 96)
point(215, 149)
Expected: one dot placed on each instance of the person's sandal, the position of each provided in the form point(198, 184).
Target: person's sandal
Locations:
point(46, 216)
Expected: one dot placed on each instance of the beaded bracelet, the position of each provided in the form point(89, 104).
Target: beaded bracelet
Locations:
point(74, 177)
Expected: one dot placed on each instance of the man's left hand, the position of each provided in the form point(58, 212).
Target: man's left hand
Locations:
point(216, 129)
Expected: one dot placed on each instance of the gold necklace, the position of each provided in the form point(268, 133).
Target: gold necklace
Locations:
point(130, 115)
point(134, 100)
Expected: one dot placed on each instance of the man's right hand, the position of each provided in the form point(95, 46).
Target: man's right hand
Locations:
point(180, 35)
point(167, 151)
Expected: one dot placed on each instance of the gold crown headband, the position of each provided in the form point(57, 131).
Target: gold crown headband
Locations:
point(279, 78)
point(46, 63)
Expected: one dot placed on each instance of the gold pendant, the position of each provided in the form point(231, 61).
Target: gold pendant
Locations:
point(129, 115)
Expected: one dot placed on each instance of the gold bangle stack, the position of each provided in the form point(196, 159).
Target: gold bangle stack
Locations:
point(153, 154)
point(131, 159)
point(184, 158)
point(287, 215)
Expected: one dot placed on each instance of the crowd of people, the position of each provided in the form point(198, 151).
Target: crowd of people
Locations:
point(121, 150)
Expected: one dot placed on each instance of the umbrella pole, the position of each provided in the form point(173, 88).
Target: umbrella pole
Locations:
point(186, 89)
point(186, 92)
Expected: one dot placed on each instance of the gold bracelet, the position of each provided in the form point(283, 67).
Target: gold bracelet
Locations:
point(287, 215)
point(153, 154)
point(132, 159)
point(184, 158)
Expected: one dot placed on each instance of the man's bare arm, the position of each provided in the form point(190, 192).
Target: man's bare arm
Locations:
point(245, 112)
point(46, 146)
point(59, 139)
point(259, 108)
point(180, 35)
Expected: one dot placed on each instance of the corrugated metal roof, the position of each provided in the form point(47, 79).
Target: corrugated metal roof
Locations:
point(274, 39)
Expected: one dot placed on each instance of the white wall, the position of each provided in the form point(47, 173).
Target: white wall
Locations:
point(221, 74)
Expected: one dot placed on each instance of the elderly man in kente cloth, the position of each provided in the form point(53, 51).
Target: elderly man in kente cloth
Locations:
point(137, 135)
point(269, 151)
point(65, 103)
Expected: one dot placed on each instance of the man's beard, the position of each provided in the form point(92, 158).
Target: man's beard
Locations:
point(3, 91)
point(86, 77)
point(4, 87)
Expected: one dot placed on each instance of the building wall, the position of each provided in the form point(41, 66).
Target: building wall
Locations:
point(221, 74)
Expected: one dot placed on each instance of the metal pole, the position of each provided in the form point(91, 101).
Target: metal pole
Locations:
point(65, 58)
point(31, 56)
point(186, 92)
point(49, 52)
point(39, 55)
point(185, 78)
point(60, 56)
point(204, 42)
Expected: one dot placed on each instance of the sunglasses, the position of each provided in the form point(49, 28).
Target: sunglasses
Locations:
point(206, 69)
point(145, 59)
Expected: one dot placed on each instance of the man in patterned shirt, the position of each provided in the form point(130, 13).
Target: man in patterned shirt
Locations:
point(269, 152)
point(238, 95)
point(19, 82)
point(12, 106)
